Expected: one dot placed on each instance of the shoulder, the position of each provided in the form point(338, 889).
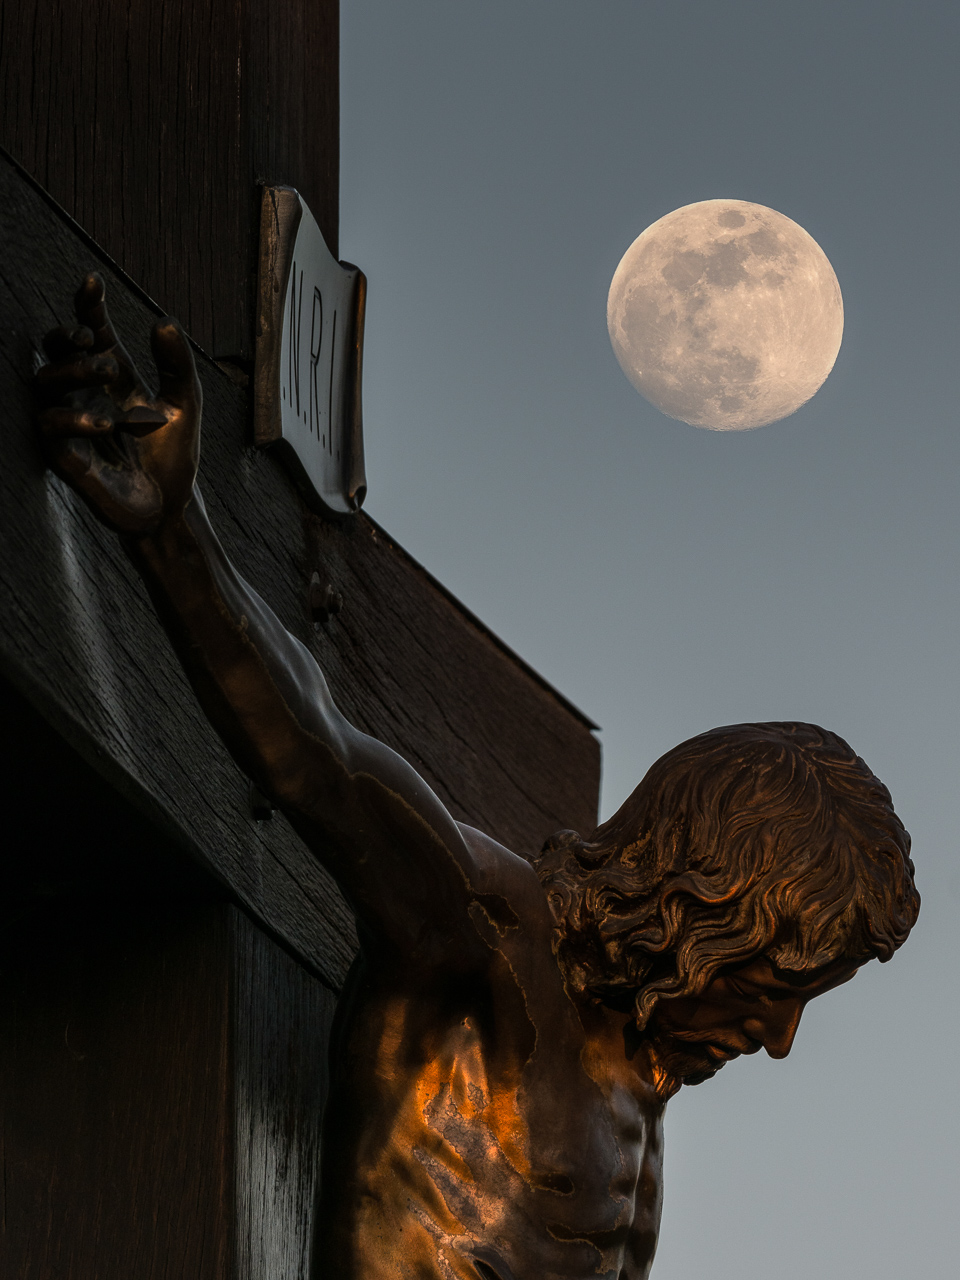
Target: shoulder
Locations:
point(510, 915)
point(504, 885)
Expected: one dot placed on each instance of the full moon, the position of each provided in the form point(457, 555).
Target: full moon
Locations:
point(726, 315)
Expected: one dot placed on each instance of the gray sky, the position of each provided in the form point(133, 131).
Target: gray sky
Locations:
point(498, 158)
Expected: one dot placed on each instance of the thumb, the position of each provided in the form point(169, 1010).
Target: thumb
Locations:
point(177, 373)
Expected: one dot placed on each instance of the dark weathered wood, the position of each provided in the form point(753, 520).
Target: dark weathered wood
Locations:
point(408, 664)
point(151, 123)
point(162, 1080)
point(163, 1063)
point(281, 1025)
point(114, 1075)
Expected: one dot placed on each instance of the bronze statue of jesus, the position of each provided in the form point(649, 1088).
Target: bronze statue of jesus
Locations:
point(513, 1028)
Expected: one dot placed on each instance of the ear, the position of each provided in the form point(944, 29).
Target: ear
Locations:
point(561, 840)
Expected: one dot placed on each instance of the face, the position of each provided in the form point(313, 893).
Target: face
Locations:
point(754, 1006)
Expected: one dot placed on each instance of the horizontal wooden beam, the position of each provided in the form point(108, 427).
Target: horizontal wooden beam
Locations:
point(405, 661)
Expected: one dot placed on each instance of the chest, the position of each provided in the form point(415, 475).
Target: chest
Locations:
point(575, 1146)
point(539, 1152)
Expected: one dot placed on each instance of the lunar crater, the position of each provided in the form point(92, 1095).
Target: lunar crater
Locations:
point(726, 315)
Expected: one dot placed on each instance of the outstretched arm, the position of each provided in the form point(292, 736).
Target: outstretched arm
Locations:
point(392, 846)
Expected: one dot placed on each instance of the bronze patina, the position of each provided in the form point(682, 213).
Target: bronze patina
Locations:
point(513, 1028)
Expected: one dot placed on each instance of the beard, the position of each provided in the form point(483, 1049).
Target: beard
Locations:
point(679, 1062)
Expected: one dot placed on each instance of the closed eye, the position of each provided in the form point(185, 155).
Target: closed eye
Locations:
point(744, 992)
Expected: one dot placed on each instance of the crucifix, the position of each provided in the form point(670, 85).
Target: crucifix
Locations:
point(513, 1026)
point(516, 1018)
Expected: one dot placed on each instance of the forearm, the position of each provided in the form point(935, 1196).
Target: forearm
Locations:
point(391, 845)
point(261, 689)
point(393, 848)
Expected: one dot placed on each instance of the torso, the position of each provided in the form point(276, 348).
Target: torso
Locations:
point(489, 1128)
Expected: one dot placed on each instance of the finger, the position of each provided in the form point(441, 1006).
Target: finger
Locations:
point(63, 342)
point(54, 381)
point(91, 308)
point(177, 372)
point(142, 420)
point(61, 424)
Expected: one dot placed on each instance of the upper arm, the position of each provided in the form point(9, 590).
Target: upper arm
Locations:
point(394, 849)
point(398, 855)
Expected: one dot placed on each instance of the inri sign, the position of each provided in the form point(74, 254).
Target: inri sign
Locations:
point(309, 356)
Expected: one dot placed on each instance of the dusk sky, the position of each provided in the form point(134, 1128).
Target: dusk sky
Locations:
point(498, 158)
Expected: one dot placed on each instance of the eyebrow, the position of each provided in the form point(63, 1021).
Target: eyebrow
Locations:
point(797, 980)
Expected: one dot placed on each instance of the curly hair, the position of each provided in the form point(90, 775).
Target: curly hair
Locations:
point(753, 839)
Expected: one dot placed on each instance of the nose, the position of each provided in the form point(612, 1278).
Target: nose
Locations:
point(776, 1027)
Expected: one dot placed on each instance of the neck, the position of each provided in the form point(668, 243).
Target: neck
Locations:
point(614, 1045)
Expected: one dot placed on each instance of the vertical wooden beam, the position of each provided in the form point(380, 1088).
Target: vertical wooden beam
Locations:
point(280, 1029)
point(114, 1072)
point(163, 1063)
point(162, 1073)
point(151, 122)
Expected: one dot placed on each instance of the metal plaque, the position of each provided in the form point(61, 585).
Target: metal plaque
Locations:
point(309, 356)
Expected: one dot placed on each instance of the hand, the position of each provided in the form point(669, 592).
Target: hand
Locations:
point(131, 457)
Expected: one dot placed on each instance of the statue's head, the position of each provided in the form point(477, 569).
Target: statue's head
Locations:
point(756, 863)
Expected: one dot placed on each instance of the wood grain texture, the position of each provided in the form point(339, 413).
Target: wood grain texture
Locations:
point(151, 122)
point(407, 664)
point(162, 1081)
point(116, 1111)
point(281, 1025)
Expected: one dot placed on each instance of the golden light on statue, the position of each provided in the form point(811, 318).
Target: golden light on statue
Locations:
point(726, 315)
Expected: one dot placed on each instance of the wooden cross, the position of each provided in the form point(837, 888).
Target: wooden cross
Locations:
point(170, 952)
